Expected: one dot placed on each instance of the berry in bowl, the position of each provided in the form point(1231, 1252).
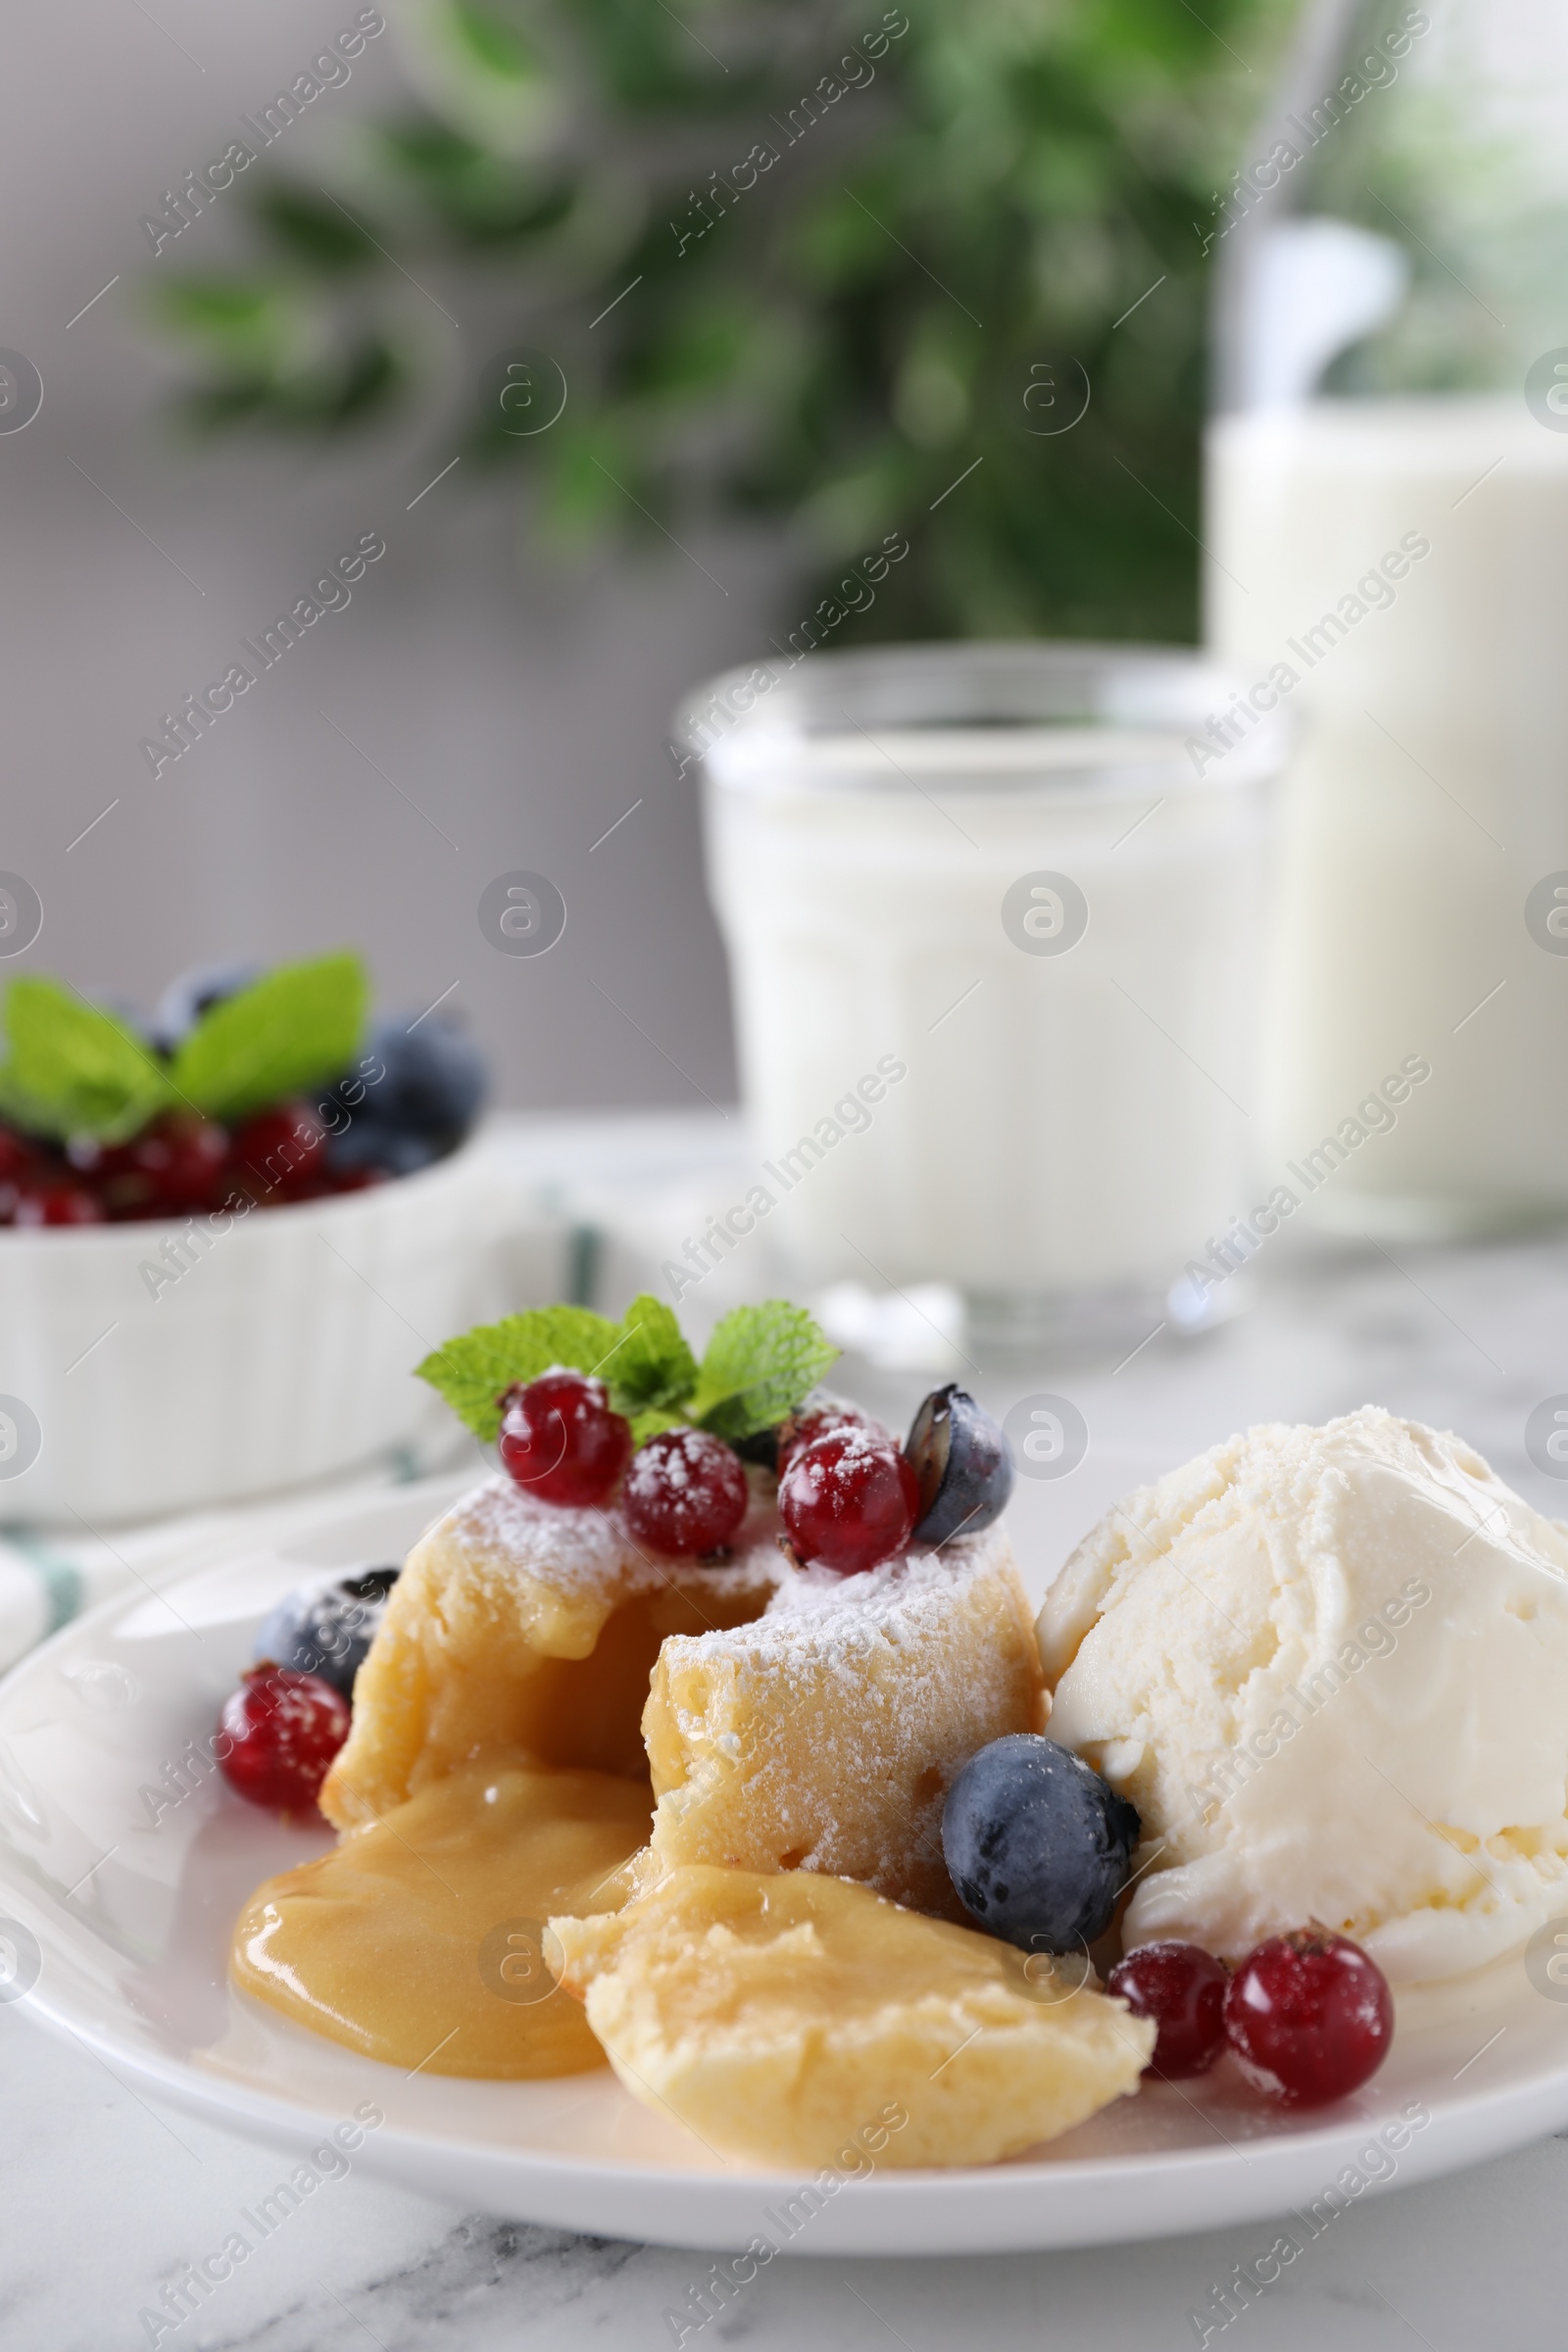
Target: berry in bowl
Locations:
point(221, 1230)
point(247, 1090)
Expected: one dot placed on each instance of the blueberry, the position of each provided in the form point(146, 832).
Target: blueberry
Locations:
point(964, 1465)
point(185, 1000)
point(1037, 1843)
point(763, 1448)
point(326, 1629)
point(369, 1144)
point(421, 1108)
point(435, 1077)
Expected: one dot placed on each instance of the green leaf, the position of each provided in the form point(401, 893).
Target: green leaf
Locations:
point(318, 233)
point(74, 1069)
point(1038, 166)
point(224, 310)
point(760, 1361)
point(492, 44)
point(473, 1371)
point(298, 1028)
point(650, 1370)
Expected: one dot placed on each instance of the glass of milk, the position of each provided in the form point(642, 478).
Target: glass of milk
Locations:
point(992, 926)
point(1387, 542)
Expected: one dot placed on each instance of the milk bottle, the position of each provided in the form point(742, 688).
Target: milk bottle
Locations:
point(1407, 563)
point(1387, 542)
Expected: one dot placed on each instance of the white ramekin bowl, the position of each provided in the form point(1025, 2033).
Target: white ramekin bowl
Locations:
point(151, 1369)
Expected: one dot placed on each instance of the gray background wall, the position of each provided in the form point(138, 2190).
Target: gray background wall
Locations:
point(519, 705)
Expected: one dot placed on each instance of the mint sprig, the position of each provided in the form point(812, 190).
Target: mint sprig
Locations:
point(759, 1363)
point(71, 1069)
point(295, 1028)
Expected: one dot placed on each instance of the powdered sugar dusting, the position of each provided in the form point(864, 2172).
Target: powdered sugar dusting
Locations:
point(588, 1552)
point(816, 1610)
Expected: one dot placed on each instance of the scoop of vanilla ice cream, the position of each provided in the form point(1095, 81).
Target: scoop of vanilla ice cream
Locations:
point(1330, 1668)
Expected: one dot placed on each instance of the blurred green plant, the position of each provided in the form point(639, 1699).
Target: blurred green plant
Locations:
point(960, 203)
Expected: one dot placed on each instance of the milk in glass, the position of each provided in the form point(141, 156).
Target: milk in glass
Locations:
point(994, 984)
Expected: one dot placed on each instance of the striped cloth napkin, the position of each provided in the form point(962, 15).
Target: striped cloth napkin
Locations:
point(49, 1576)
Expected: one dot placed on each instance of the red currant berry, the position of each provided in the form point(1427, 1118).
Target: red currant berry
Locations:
point(108, 1171)
point(277, 1736)
point(1309, 2015)
point(686, 1492)
point(809, 1422)
point(57, 1204)
point(281, 1151)
point(172, 1168)
point(561, 1441)
point(1183, 1989)
point(850, 1501)
point(17, 1155)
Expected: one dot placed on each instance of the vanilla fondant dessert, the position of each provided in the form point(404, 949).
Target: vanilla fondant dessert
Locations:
point(773, 2012)
point(793, 1720)
point(825, 1735)
point(719, 1704)
point(709, 1738)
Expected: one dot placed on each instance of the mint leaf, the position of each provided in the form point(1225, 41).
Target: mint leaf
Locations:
point(760, 1361)
point(473, 1371)
point(298, 1028)
point(74, 1069)
point(650, 1370)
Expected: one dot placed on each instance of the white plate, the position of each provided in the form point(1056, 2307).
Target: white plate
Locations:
point(132, 1920)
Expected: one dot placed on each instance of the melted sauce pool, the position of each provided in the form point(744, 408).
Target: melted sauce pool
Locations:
point(418, 1941)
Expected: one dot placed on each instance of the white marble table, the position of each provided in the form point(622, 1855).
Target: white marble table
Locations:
point(104, 2197)
point(104, 2194)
